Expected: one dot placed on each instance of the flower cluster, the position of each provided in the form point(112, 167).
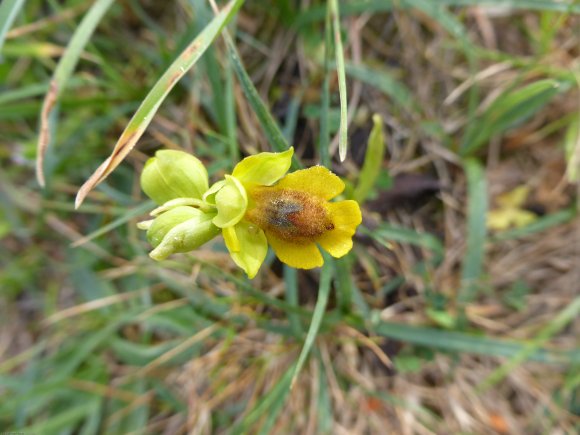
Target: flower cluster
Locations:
point(258, 204)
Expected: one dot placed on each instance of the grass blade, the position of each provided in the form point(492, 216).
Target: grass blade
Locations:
point(385, 82)
point(270, 126)
point(64, 421)
point(570, 6)
point(461, 342)
point(476, 230)
point(137, 211)
point(24, 92)
point(437, 11)
point(317, 12)
point(343, 284)
point(61, 77)
point(339, 53)
point(291, 282)
point(541, 224)
point(324, 139)
point(324, 406)
point(508, 110)
point(141, 119)
point(323, 293)
point(373, 161)
point(9, 9)
point(562, 319)
point(386, 233)
point(572, 148)
point(267, 121)
point(270, 400)
point(220, 76)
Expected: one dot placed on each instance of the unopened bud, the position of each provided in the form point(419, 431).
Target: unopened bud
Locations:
point(173, 174)
point(181, 229)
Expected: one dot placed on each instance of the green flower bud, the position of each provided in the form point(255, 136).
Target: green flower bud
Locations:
point(181, 229)
point(173, 174)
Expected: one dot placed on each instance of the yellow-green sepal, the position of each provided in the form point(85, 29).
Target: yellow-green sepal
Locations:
point(264, 168)
point(247, 245)
point(174, 174)
point(231, 201)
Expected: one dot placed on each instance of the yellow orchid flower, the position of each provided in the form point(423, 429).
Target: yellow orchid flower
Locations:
point(258, 204)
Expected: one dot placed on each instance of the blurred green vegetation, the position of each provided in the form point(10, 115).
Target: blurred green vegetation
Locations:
point(473, 98)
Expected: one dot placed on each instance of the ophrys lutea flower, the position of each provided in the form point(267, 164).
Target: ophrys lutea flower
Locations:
point(258, 204)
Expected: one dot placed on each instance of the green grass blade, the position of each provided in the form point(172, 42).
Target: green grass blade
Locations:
point(9, 9)
point(343, 283)
point(460, 342)
point(373, 161)
point(339, 53)
point(64, 421)
point(246, 286)
point(137, 211)
point(572, 148)
point(144, 115)
point(510, 109)
point(220, 76)
point(230, 112)
point(277, 394)
point(273, 412)
point(541, 224)
point(316, 13)
point(448, 21)
point(87, 347)
point(292, 115)
point(386, 233)
point(267, 121)
point(570, 6)
point(323, 293)
point(291, 281)
point(563, 318)
point(324, 139)
point(324, 405)
point(79, 40)
point(385, 82)
point(476, 231)
point(61, 77)
point(33, 90)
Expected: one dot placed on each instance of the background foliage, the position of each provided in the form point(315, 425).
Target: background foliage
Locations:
point(457, 310)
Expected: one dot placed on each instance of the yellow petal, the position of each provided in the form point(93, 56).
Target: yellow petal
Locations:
point(316, 180)
point(336, 242)
point(248, 246)
point(231, 239)
point(500, 219)
point(514, 198)
point(264, 168)
point(345, 216)
point(300, 256)
point(504, 218)
point(231, 202)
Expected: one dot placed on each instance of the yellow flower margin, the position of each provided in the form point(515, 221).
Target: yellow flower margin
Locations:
point(259, 205)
